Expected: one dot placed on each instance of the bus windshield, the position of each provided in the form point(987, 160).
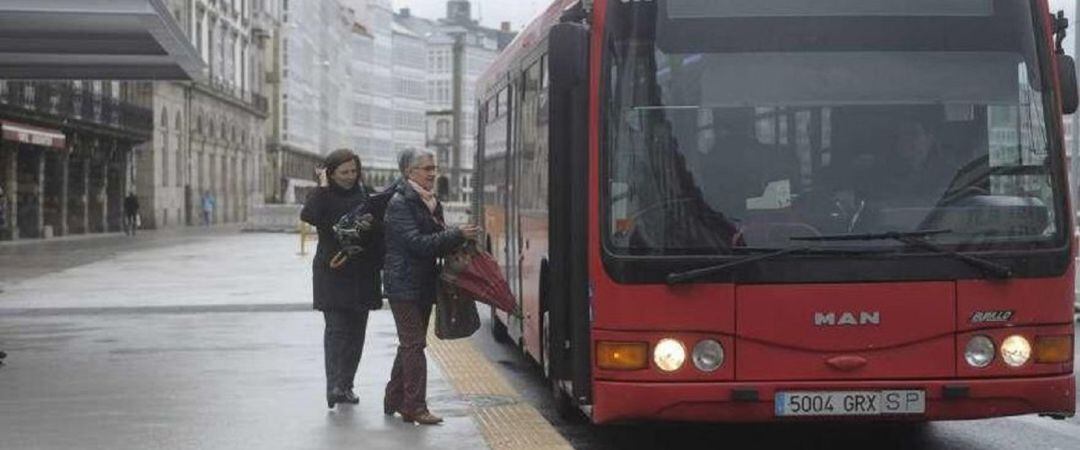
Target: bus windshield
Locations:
point(744, 124)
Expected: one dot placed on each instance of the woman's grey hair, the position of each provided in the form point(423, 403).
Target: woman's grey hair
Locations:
point(408, 158)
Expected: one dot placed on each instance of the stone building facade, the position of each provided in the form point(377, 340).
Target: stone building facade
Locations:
point(209, 136)
point(66, 154)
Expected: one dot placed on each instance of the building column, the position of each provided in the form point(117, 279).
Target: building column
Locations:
point(65, 161)
point(103, 194)
point(27, 197)
point(96, 195)
point(37, 168)
point(76, 208)
point(237, 189)
point(53, 193)
point(245, 189)
point(9, 176)
point(40, 191)
point(125, 174)
point(84, 170)
point(223, 188)
point(235, 194)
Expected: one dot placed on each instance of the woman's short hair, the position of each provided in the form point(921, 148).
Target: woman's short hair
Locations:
point(408, 158)
point(339, 157)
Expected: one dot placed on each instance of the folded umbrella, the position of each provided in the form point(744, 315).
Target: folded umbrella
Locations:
point(476, 274)
point(358, 229)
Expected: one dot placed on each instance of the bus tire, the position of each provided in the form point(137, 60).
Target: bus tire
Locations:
point(565, 407)
point(498, 329)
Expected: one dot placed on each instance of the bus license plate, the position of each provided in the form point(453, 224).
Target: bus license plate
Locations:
point(850, 403)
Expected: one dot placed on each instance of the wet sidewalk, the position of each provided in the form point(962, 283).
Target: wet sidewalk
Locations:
point(206, 339)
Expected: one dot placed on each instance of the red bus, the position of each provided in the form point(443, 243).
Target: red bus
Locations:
point(786, 210)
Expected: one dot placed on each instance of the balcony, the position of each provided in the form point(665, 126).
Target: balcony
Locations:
point(63, 104)
point(246, 97)
point(261, 27)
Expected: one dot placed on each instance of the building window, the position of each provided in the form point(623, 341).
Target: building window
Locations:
point(199, 35)
point(164, 158)
point(442, 129)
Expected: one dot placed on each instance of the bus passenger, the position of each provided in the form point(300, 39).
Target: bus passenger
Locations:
point(416, 235)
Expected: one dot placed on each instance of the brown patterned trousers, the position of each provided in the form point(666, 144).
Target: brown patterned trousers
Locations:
point(407, 389)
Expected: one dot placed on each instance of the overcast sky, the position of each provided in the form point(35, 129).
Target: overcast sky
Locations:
point(517, 12)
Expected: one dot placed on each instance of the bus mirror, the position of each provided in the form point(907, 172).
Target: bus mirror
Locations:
point(569, 55)
point(1067, 77)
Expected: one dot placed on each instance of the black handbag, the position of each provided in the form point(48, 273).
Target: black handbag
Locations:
point(456, 316)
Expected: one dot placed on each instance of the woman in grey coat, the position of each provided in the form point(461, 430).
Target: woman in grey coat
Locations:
point(416, 236)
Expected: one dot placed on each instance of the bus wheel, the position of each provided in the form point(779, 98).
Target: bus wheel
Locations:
point(565, 406)
point(498, 329)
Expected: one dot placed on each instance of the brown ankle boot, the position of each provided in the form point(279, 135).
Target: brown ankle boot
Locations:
point(423, 418)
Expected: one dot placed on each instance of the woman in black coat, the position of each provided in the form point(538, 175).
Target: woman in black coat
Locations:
point(416, 236)
point(345, 294)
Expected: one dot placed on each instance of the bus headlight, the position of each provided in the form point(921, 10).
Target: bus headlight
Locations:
point(708, 355)
point(979, 351)
point(1015, 350)
point(669, 355)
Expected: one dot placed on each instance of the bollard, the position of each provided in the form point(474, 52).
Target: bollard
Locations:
point(307, 232)
point(303, 238)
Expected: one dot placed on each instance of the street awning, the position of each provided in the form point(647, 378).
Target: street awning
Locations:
point(28, 134)
point(94, 39)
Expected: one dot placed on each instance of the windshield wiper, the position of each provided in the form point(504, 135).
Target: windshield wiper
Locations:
point(917, 239)
point(691, 275)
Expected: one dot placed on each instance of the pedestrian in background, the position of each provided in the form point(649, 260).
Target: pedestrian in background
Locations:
point(416, 236)
point(131, 213)
point(347, 293)
point(208, 204)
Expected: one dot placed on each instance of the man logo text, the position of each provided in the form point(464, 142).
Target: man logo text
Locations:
point(832, 319)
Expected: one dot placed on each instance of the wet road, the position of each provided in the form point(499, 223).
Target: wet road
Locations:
point(1024, 432)
point(199, 340)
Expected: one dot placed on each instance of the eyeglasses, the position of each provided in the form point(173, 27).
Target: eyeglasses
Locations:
point(429, 168)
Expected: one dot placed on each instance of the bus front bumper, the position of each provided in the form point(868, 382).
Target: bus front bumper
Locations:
point(618, 401)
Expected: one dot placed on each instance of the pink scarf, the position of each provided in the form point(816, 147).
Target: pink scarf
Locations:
point(427, 196)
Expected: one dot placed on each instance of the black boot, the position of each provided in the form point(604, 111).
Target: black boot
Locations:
point(350, 397)
point(334, 397)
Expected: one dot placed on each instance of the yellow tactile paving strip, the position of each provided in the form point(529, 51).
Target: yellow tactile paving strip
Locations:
point(509, 424)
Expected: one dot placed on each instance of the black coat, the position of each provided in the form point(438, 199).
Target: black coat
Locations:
point(415, 239)
point(131, 205)
point(357, 284)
